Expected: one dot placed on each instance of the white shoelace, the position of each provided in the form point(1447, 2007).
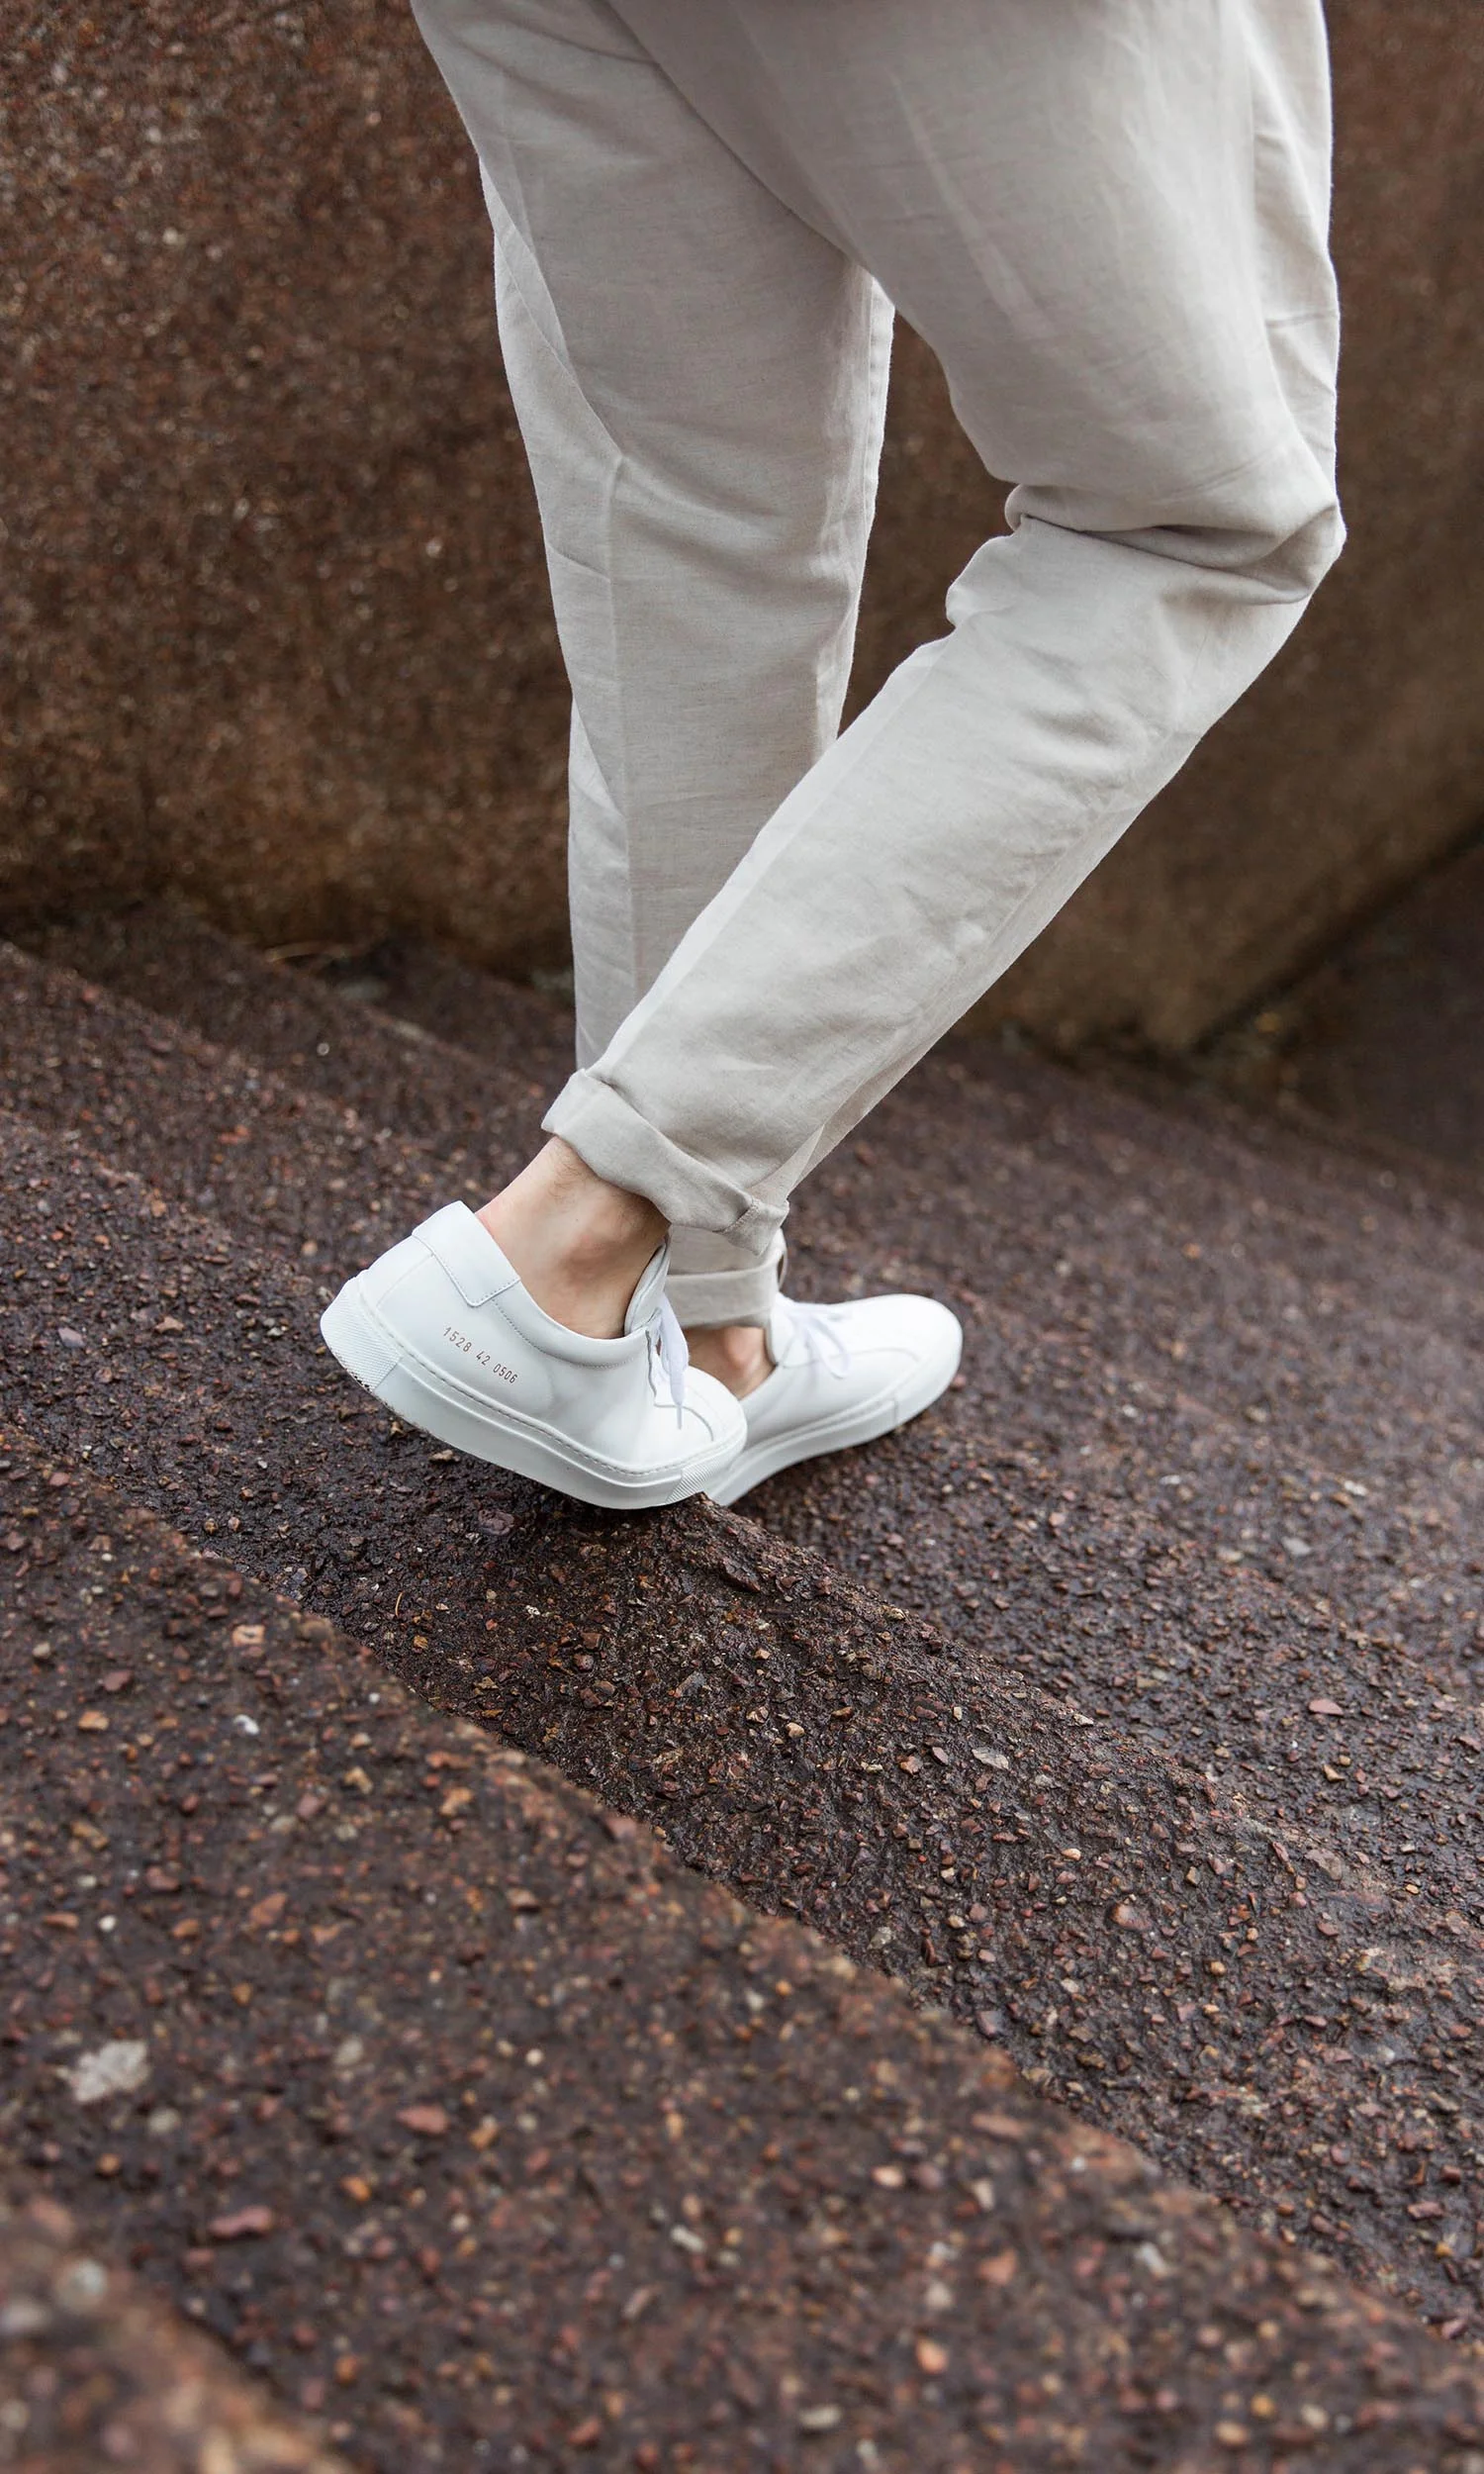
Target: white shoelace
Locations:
point(669, 1355)
point(820, 1337)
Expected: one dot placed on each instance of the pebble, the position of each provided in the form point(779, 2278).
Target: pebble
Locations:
point(114, 2069)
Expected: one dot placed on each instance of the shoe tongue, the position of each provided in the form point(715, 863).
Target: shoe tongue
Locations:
point(643, 1306)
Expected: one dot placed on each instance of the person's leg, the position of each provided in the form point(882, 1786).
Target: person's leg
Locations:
point(700, 376)
point(1111, 226)
point(699, 379)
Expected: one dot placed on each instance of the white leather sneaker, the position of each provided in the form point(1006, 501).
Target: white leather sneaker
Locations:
point(842, 1373)
point(442, 1331)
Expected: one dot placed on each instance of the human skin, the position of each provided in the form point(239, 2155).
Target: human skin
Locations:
point(580, 1246)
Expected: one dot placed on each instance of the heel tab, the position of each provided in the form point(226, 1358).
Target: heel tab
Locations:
point(462, 1246)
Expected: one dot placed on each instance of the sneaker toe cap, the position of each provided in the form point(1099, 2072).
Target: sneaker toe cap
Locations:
point(906, 1330)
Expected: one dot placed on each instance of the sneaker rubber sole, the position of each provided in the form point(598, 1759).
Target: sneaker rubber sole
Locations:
point(424, 1397)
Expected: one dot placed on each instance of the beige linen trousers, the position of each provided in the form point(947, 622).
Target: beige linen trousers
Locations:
point(1108, 218)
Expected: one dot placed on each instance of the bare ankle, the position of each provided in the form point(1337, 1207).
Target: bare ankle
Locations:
point(737, 1354)
point(578, 1244)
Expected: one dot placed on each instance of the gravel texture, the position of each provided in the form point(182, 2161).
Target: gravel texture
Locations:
point(493, 2138)
point(1217, 1887)
point(94, 2372)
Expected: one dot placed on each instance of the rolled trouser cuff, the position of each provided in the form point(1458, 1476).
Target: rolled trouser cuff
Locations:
point(706, 1300)
point(618, 1144)
point(709, 1286)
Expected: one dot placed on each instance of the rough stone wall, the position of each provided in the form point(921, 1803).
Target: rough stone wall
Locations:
point(274, 608)
point(277, 610)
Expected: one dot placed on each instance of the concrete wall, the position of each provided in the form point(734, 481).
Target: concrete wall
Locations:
point(274, 611)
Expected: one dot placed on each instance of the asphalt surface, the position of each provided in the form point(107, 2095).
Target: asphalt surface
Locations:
point(1124, 1710)
point(488, 2135)
point(96, 2371)
point(1126, 1705)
